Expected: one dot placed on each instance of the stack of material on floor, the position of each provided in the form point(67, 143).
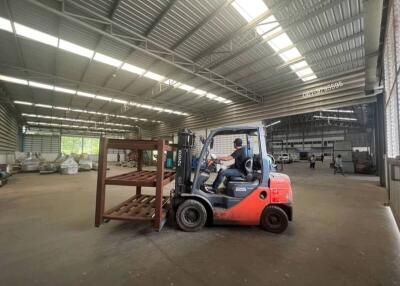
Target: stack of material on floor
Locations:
point(84, 163)
point(95, 166)
point(31, 163)
point(69, 166)
point(51, 167)
point(363, 162)
point(4, 173)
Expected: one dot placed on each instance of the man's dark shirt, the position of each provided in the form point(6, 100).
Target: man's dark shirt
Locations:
point(240, 157)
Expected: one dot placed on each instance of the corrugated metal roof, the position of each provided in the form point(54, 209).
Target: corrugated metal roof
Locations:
point(328, 33)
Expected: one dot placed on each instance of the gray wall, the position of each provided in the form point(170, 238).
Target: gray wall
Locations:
point(286, 102)
point(8, 135)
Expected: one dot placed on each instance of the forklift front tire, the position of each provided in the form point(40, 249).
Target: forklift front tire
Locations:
point(191, 215)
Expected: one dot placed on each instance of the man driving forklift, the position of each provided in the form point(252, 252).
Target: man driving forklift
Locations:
point(237, 169)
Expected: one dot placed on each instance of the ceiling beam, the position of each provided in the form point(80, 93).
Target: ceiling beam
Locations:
point(301, 41)
point(150, 48)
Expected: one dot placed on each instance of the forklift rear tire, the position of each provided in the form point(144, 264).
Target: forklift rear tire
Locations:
point(274, 219)
point(191, 215)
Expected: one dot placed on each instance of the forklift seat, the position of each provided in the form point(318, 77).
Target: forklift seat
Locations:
point(240, 187)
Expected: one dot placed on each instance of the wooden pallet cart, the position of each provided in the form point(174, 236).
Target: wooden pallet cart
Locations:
point(139, 207)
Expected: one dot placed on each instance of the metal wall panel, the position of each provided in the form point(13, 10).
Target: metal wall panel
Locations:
point(41, 143)
point(289, 101)
point(8, 131)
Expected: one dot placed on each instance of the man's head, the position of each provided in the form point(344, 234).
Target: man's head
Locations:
point(237, 143)
point(339, 156)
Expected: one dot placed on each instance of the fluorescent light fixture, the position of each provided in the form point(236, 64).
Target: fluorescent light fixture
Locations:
point(120, 101)
point(106, 98)
point(71, 47)
point(35, 35)
point(305, 72)
point(64, 90)
point(74, 119)
point(60, 108)
point(107, 60)
point(80, 93)
point(132, 69)
point(78, 110)
point(153, 76)
point(273, 123)
point(335, 118)
point(61, 125)
point(186, 87)
point(75, 49)
point(22, 102)
point(13, 79)
point(290, 55)
point(280, 42)
point(309, 78)
point(172, 82)
point(158, 108)
point(5, 25)
point(41, 85)
point(85, 94)
point(43, 105)
point(228, 101)
point(199, 92)
point(211, 95)
point(220, 99)
point(299, 65)
point(250, 9)
point(339, 110)
point(146, 106)
point(268, 27)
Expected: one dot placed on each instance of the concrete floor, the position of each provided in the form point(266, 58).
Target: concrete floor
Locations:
point(341, 235)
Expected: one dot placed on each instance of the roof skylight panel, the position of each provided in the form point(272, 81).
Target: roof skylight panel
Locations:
point(309, 78)
point(280, 42)
point(299, 65)
point(290, 55)
point(250, 9)
point(268, 27)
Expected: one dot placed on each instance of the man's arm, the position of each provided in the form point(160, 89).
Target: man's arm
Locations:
point(225, 158)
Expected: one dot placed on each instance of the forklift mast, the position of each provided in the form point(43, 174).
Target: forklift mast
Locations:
point(183, 183)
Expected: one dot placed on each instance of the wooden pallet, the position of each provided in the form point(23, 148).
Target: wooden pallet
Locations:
point(139, 178)
point(138, 207)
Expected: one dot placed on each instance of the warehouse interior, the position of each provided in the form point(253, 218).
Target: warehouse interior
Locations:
point(98, 100)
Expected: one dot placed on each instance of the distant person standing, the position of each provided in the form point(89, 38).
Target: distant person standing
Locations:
point(118, 157)
point(312, 161)
point(338, 167)
point(322, 158)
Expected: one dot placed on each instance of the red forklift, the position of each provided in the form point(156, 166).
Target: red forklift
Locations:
point(258, 197)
